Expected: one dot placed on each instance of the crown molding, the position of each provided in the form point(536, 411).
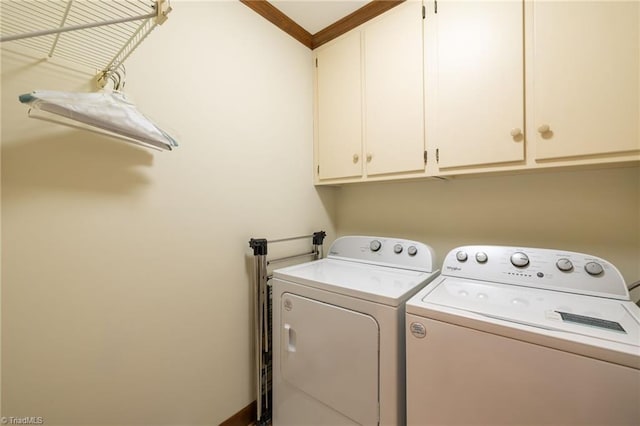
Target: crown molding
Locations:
point(280, 20)
point(349, 22)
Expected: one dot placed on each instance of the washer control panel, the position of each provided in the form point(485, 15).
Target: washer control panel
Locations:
point(395, 252)
point(539, 268)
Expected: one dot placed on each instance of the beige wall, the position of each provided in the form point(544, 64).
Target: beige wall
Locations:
point(125, 272)
point(595, 212)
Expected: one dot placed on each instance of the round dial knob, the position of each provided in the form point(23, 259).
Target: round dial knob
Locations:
point(481, 257)
point(519, 259)
point(375, 245)
point(412, 250)
point(564, 264)
point(397, 248)
point(461, 256)
point(593, 268)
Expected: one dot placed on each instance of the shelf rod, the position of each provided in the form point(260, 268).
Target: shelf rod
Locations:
point(76, 27)
point(290, 239)
point(282, 259)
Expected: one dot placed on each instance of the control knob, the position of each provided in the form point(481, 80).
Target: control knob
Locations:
point(593, 268)
point(519, 259)
point(412, 250)
point(481, 257)
point(397, 249)
point(461, 256)
point(375, 245)
point(564, 264)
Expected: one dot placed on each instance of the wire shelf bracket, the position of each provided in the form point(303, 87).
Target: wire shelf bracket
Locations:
point(98, 34)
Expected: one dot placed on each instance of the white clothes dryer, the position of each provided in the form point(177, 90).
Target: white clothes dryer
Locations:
point(338, 332)
point(510, 335)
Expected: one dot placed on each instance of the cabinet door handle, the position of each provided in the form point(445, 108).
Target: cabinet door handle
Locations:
point(369, 157)
point(356, 157)
point(516, 132)
point(544, 128)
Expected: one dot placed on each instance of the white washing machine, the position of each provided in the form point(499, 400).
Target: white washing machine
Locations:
point(338, 332)
point(519, 336)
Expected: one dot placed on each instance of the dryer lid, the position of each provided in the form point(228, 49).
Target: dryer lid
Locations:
point(381, 284)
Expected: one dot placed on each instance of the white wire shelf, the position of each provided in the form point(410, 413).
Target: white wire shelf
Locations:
point(99, 34)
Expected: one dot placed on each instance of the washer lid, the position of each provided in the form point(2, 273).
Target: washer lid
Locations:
point(594, 317)
point(386, 285)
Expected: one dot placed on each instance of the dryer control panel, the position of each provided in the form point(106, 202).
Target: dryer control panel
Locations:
point(539, 268)
point(383, 251)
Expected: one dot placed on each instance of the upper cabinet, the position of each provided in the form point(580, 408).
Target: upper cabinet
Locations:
point(479, 86)
point(475, 82)
point(586, 78)
point(369, 99)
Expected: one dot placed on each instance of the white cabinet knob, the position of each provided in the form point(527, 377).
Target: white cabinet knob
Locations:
point(369, 157)
point(544, 128)
point(516, 132)
point(356, 157)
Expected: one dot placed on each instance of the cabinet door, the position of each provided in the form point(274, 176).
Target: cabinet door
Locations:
point(586, 78)
point(475, 89)
point(339, 108)
point(394, 110)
